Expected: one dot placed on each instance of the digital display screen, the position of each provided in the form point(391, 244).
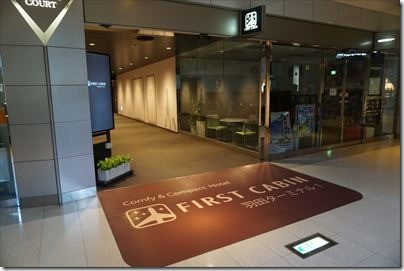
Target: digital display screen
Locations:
point(99, 87)
point(310, 245)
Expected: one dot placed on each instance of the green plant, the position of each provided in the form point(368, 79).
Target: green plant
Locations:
point(113, 161)
point(195, 113)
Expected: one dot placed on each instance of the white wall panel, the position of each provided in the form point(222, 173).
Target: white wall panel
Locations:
point(23, 65)
point(67, 66)
point(76, 173)
point(138, 98)
point(31, 142)
point(301, 9)
point(73, 138)
point(325, 11)
point(236, 4)
point(274, 7)
point(166, 97)
point(348, 16)
point(151, 116)
point(204, 2)
point(125, 98)
point(389, 22)
point(70, 103)
point(370, 20)
point(36, 178)
point(20, 101)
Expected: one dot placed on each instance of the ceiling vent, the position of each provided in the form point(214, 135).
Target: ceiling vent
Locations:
point(145, 38)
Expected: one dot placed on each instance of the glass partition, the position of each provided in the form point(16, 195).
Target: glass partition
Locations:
point(7, 185)
point(382, 95)
point(218, 82)
point(294, 99)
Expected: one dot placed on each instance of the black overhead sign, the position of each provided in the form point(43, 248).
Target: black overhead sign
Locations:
point(251, 20)
point(43, 16)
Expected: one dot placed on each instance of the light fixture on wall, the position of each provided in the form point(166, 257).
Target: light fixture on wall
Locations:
point(168, 48)
point(385, 40)
point(130, 64)
point(91, 44)
point(146, 57)
point(120, 68)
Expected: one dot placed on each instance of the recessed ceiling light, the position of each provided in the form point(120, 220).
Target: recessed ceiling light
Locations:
point(146, 57)
point(91, 44)
point(168, 48)
point(130, 63)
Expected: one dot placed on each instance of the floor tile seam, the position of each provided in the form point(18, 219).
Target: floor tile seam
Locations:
point(374, 202)
point(229, 255)
point(350, 264)
point(20, 256)
point(82, 239)
point(40, 239)
point(384, 257)
point(323, 226)
point(269, 247)
point(256, 240)
point(370, 257)
point(380, 215)
point(357, 242)
point(362, 226)
point(362, 221)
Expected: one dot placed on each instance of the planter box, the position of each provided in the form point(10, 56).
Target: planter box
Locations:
point(107, 175)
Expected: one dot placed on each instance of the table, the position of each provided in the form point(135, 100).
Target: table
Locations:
point(232, 122)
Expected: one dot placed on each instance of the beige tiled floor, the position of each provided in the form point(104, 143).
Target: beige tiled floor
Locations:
point(367, 231)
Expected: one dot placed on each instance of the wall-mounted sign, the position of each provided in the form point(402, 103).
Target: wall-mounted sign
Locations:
point(349, 54)
point(251, 20)
point(43, 16)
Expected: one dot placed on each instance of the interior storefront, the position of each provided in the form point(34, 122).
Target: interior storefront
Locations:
point(219, 90)
point(210, 87)
point(327, 97)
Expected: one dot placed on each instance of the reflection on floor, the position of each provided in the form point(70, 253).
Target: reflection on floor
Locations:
point(367, 231)
point(159, 154)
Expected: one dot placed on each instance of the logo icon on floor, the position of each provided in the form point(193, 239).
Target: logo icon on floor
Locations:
point(150, 215)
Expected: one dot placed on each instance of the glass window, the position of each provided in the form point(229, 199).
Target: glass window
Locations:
point(295, 88)
point(219, 88)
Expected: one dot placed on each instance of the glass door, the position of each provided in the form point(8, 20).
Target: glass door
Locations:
point(342, 100)
point(354, 90)
point(8, 193)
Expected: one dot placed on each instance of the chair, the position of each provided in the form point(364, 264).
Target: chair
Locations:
point(248, 131)
point(213, 124)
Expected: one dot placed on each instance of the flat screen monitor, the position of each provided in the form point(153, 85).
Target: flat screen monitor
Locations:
point(99, 87)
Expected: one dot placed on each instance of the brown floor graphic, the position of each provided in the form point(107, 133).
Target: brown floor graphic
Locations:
point(172, 220)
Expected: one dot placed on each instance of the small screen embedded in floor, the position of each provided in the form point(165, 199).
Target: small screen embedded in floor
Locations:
point(310, 245)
